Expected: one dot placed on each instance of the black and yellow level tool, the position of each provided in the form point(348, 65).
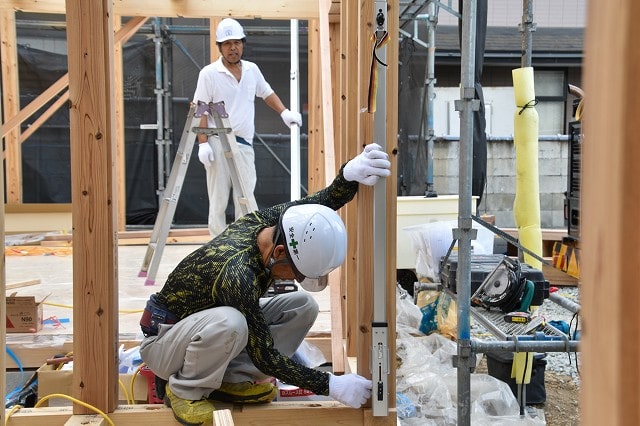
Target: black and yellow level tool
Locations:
point(517, 317)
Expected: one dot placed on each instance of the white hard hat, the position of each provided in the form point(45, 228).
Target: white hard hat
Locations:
point(315, 241)
point(229, 29)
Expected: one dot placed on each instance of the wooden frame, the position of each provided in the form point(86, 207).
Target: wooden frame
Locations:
point(338, 98)
point(610, 378)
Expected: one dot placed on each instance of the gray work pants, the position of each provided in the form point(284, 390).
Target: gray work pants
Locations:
point(206, 348)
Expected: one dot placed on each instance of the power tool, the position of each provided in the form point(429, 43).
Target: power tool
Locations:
point(507, 289)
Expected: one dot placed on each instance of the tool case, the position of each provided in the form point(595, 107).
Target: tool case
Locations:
point(482, 265)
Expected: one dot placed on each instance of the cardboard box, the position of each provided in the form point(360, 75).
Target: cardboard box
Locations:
point(52, 381)
point(24, 314)
point(294, 393)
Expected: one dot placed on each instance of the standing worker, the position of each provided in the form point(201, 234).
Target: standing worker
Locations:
point(212, 335)
point(237, 83)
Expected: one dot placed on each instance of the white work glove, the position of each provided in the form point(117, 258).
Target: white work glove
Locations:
point(290, 118)
point(368, 166)
point(350, 389)
point(205, 154)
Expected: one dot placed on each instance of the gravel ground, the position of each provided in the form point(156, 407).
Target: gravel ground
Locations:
point(563, 363)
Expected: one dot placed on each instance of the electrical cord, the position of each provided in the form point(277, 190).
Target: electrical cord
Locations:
point(122, 311)
point(124, 391)
point(18, 387)
point(577, 319)
point(11, 411)
point(16, 408)
point(133, 379)
point(77, 401)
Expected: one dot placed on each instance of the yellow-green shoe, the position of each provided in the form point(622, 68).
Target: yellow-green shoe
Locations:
point(188, 412)
point(244, 393)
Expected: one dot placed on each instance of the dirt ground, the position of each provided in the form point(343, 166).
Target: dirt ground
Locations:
point(561, 407)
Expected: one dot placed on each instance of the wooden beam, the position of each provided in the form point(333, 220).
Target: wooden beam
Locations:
point(326, 95)
point(315, 161)
point(34, 353)
point(266, 9)
point(11, 104)
point(214, 52)
point(350, 147)
point(362, 312)
point(121, 165)
point(610, 348)
point(3, 298)
point(42, 118)
point(122, 36)
point(223, 418)
point(93, 154)
point(276, 413)
point(26, 112)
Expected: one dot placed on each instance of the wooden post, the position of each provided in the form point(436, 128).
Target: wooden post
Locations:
point(610, 348)
point(214, 52)
point(118, 83)
point(11, 104)
point(351, 146)
point(93, 155)
point(3, 300)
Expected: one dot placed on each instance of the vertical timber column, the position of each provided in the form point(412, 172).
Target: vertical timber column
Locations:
point(364, 307)
point(3, 300)
point(11, 104)
point(93, 155)
point(610, 345)
point(351, 146)
point(118, 84)
point(315, 145)
point(214, 52)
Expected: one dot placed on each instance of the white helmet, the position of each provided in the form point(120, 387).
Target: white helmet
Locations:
point(229, 29)
point(315, 242)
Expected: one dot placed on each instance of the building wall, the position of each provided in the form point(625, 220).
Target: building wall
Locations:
point(546, 13)
point(501, 179)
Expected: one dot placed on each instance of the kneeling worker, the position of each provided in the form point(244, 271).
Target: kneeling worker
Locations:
point(211, 333)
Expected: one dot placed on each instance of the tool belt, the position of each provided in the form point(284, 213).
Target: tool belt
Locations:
point(155, 314)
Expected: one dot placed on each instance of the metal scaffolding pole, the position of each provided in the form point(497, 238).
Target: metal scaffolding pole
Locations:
point(295, 107)
point(432, 21)
point(159, 126)
point(527, 26)
point(465, 232)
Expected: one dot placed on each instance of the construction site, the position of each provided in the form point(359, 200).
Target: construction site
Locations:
point(484, 281)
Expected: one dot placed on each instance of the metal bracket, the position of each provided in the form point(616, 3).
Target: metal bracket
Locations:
point(380, 368)
point(209, 131)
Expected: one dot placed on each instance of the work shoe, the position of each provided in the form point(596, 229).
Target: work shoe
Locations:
point(244, 392)
point(188, 412)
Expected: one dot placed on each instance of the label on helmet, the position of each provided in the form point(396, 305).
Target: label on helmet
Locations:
point(293, 244)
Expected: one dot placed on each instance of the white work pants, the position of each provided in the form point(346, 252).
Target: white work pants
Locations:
point(219, 183)
point(206, 348)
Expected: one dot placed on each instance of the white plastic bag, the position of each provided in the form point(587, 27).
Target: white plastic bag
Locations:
point(431, 241)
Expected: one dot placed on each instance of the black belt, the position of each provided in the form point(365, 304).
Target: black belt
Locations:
point(242, 141)
point(155, 314)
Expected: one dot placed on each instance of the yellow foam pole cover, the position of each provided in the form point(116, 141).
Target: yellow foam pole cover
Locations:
point(522, 367)
point(526, 205)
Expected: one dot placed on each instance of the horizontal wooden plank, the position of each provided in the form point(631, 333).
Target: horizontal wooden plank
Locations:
point(275, 413)
point(38, 208)
point(547, 234)
point(266, 9)
point(33, 350)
